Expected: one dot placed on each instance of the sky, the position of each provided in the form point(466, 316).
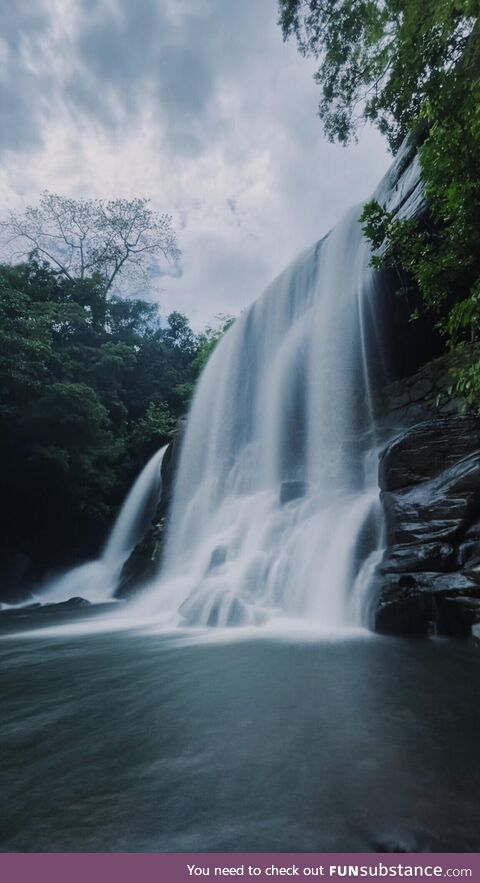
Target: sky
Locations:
point(196, 104)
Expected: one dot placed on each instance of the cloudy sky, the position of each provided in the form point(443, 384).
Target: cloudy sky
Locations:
point(197, 104)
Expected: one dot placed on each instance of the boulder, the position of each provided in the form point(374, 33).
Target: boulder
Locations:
point(71, 604)
point(424, 451)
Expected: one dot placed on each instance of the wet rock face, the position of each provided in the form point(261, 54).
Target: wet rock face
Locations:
point(291, 490)
point(421, 396)
point(429, 579)
point(144, 561)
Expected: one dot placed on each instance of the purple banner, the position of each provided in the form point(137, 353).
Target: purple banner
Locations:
point(262, 867)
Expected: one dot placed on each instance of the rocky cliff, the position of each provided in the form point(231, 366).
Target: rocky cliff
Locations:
point(429, 477)
point(143, 562)
point(429, 468)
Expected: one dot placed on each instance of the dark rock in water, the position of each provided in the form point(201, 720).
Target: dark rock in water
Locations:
point(36, 616)
point(71, 604)
point(219, 556)
point(467, 554)
point(145, 559)
point(428, 581)
point(429, 603)
point(476, 634)
point(237, 613)
point(141, 566)
point(291, 490)
point(55, 607)
point(225, 610)
point(19, 608)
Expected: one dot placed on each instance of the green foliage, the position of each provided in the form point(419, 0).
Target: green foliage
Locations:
point(91, 385)
point(466, 379)
point(379, 61)
point(209, 339)
point(153, 430)
point(412, 67)
point(440, 255)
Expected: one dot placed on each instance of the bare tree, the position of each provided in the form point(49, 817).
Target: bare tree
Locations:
point(82, 238)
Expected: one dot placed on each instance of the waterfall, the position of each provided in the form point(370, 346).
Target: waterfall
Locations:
point(97, 580)
point(275, 508)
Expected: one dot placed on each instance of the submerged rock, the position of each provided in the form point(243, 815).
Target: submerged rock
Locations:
point(218, 557)
point(223, 609)
point(71, 604)
point(291, 490)
point(34, 606)
point(38, 615)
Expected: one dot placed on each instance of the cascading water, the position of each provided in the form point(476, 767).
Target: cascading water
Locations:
point(276, 500)
point(97, 580)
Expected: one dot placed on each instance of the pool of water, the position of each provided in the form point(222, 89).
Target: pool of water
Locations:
point(132, 740)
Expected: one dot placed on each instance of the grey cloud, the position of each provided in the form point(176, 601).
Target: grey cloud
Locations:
point(22, 94)
point(217, 278)
point(185, 80)
point(18, 123)
point(118, 46)
point(21, 19)
point(112, 59)
point(125, 54)
point(95, 107)
point(132, 51)
point(197, 103)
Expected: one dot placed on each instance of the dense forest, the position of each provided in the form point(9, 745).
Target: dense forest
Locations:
point(92, 382)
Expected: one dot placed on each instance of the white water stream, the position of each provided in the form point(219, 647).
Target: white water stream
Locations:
point(276, 505)
point(97, 580)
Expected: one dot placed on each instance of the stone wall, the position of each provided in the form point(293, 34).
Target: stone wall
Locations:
point(424, 395)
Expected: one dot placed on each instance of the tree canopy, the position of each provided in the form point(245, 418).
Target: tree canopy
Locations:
point(93, 238)
point(379, 60)
point(91, 384)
